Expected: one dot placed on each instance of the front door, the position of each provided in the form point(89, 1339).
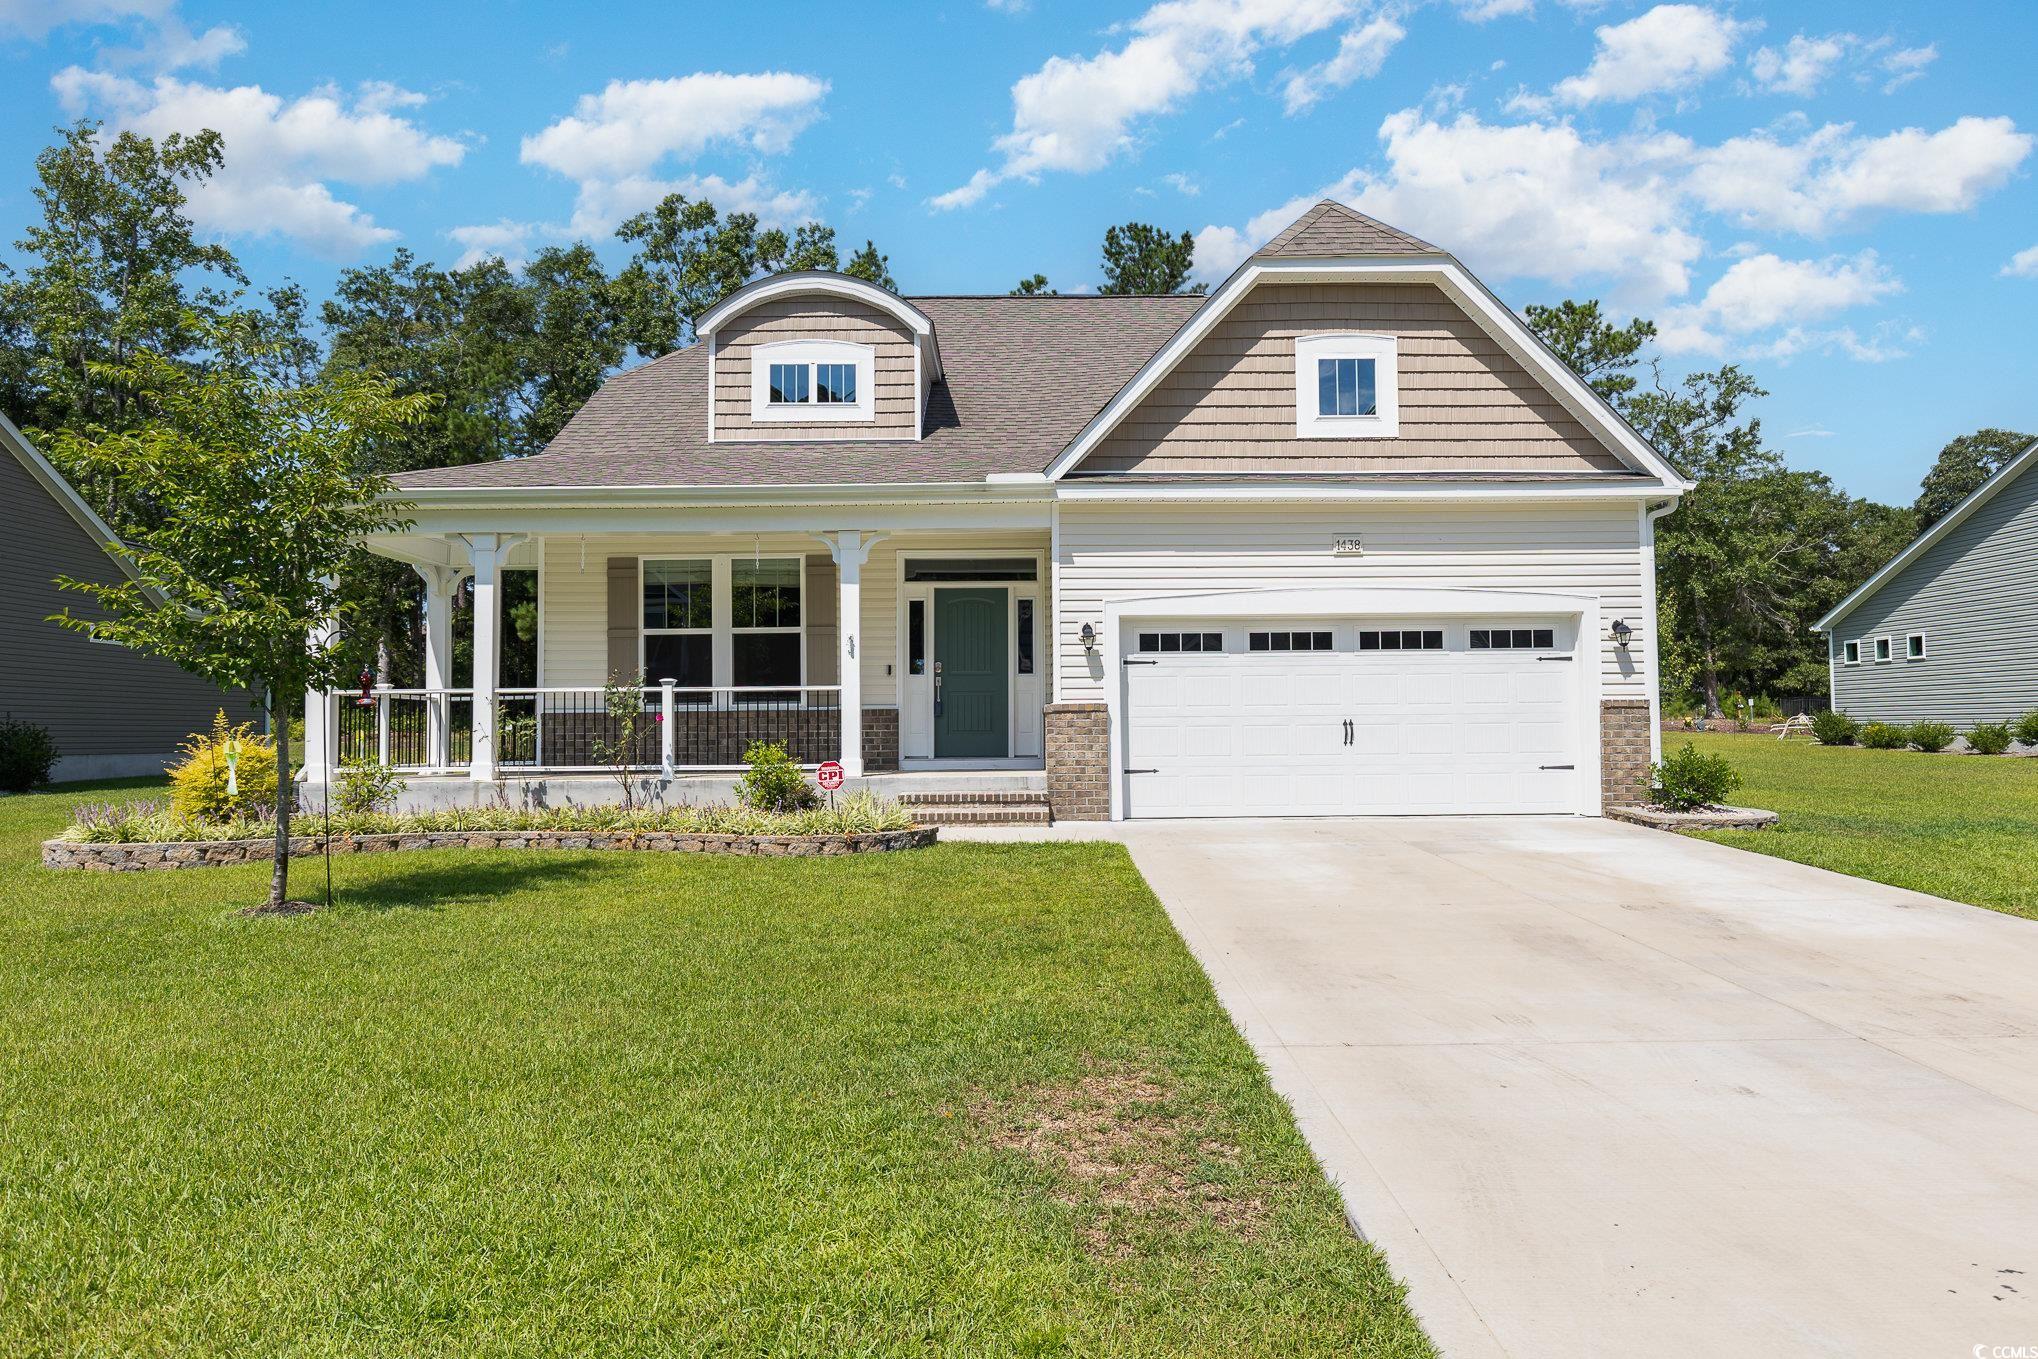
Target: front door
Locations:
point(972, 674)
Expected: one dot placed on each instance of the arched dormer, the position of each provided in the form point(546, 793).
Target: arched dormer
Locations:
point(820, 356)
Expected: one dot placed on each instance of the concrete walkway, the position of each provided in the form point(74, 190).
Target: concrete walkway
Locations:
point(1599, 1090)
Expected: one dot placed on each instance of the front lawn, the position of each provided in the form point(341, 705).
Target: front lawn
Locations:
point(1958, 826)
point(974, 1100)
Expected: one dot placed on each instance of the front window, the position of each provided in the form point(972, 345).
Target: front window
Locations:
point(764, 622)
point(789, 385)
point(835, 383)
point(1345, 387)
point(679, 620)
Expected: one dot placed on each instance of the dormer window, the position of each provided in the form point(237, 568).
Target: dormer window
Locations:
point(811, 381)
point(1346, 387)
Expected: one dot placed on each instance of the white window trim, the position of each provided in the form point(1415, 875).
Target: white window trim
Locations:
point(721, 615)
point(1885, 650)
point(810, 412)
point(1384, 423)
point(1850, 652)
point(1923, 650)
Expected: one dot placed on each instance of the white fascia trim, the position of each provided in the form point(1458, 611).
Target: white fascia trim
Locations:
point(66, 495)
point(1480, 304)
point(1953, 518)
point(1222, 493)
point(829, 284)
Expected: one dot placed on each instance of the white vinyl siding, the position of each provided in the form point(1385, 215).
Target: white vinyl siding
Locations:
point(1125, 551)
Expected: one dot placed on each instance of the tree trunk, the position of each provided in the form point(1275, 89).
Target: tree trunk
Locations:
point(1709, 682)
point(279, 872)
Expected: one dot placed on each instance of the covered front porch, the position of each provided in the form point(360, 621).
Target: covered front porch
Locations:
point(917, 650)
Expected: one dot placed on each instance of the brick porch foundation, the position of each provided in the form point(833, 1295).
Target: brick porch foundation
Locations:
point(1079, 761)
point(1623, 751)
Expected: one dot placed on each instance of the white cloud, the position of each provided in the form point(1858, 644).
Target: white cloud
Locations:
point(1360, 55)
point(1077, 114)
point(1831, 176)
point(632, 125)
point(34, 18)
point(504, 240)
point(614, 142)
point(1906, 64)
point(1007, 6)
point(604, 203)
point(1667, 50)
point(1801, 65)
point(279, 153)
point(1766, 292)
point(1182, 184)
point(2023, 264)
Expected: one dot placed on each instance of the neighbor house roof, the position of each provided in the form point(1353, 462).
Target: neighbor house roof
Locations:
point(1951, 520)
point(1333, 231)
point(1022, 375)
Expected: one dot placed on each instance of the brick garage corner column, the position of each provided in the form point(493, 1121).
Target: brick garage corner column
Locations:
point(1623, 751)
point(1079, 761)
point(880, 740)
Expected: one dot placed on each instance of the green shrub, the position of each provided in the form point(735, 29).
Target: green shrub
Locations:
point(1835, 729)
point(227, 772)
point(1989, 738)
point(365, 786)
point(28, 754)
point(1688, 779)
point(2025, 729)
point(1931, 737)
point(1882, 736)
point(773, 783)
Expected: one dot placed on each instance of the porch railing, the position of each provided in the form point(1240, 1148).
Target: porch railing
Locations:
point(572, 729)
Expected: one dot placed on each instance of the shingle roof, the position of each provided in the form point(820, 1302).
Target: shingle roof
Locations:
point(1023, 376)
point(1330, 230)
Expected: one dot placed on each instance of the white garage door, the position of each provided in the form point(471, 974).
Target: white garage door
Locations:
point(1352, 717)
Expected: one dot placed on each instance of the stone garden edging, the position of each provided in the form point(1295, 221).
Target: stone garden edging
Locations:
point(1704, 818)
point(217, 853)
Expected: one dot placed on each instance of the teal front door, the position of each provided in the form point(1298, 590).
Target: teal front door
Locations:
point(972, 674)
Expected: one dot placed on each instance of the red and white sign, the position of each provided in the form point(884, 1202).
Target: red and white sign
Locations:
point(829, 775)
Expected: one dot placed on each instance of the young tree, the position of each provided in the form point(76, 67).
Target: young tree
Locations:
point(868, 265)
point(1144, 259)
point(264, 508)
point(1962, 466)
point(1035, 286)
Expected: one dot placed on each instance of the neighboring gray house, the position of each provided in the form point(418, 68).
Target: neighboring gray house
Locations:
point(112, 711)
point(1948, 631)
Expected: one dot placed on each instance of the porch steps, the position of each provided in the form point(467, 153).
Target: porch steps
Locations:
point(1016, 807)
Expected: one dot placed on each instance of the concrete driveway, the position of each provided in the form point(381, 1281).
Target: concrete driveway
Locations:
point(1598, 1090)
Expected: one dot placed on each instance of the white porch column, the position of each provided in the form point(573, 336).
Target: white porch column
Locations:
point(487, 551)
point(441, 583)
point(850, 548)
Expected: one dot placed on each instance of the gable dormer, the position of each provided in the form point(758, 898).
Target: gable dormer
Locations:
point(817, 356)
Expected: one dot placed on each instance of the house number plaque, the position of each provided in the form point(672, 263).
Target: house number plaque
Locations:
point(1347, 547)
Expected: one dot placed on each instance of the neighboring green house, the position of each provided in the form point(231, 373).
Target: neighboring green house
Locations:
point(1948, 631)
point(112, 711)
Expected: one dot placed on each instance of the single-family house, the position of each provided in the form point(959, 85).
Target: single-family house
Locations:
point(112, 712)
point(1341, 537)
point(1948, 630)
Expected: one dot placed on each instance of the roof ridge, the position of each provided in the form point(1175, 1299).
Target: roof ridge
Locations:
point(1330, 228)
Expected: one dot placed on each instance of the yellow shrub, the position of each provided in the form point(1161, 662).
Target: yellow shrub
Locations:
point(199, 782)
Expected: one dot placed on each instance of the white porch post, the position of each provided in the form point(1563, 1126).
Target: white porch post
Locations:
point(488, 551)
point(850, 548)
point(441, 583)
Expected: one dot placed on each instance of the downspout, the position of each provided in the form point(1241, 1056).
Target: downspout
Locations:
point(1650, 514)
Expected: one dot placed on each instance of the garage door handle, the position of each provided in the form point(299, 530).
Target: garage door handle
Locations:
point(1142, 771)
point(1553, 658)
point(1556, 766)
point(1131, 660)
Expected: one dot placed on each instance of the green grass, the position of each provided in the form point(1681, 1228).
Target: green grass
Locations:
point(498, 1104)
point(1958, 826)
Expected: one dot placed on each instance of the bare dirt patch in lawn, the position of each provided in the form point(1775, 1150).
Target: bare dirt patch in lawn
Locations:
point(1121, 1151)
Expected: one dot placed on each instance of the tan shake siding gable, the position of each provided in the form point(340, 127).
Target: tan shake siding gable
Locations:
point(1466, 404)
point(815, 317)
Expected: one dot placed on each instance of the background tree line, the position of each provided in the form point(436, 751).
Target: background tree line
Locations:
point(502, 356)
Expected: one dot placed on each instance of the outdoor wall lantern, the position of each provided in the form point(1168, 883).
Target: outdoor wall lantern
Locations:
point(1089, 636)
point(1621, 632)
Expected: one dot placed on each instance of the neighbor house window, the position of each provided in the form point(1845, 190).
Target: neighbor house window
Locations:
point(764, 622)
point(1914, 646)
point(1851, 653)
point(810, 381)
point(1881, 649)
point(1345, 386)
point(679, 621)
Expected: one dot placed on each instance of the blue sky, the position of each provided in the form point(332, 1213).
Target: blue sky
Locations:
point(1840, 196)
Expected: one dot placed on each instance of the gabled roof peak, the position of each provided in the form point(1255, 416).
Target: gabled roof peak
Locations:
point(1330, 230)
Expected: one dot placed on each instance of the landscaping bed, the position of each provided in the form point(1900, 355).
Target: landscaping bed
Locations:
point(1696, 818)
